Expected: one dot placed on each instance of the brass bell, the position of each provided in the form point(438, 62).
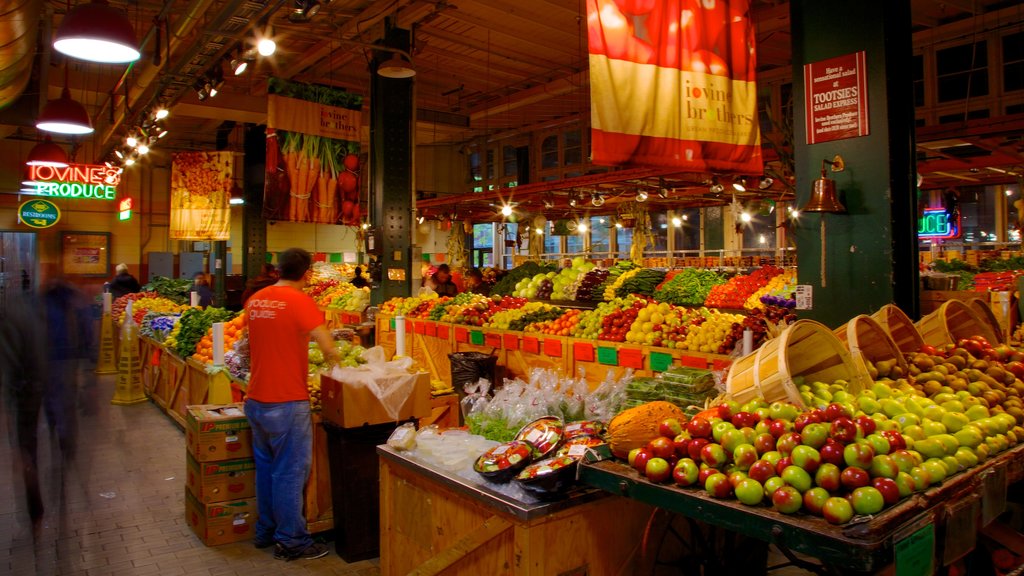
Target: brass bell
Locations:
point(823, 195)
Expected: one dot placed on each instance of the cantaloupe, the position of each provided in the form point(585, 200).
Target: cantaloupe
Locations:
point(635, 427)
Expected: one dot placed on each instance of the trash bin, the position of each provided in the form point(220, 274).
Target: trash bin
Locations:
point(355, 488)
point(468, 367)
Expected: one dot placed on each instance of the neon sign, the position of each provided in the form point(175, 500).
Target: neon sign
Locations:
point(936, 225)
point(97, 182)
point(124, 209)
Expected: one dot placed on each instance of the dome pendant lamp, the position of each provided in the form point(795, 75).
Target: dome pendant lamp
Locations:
point(65, 116)
point(47, 153)
point(98, 33)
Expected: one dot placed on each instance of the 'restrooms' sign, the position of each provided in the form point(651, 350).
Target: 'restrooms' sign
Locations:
point(85, 181)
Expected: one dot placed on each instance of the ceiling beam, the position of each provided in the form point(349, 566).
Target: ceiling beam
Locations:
point(498, 53)
point(559, 87)
point(508, 37)
point(539, 23)
point(431, 53)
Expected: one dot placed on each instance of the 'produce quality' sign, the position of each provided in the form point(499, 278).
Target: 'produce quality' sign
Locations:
point(39, 213)
point(312, 154)
point(837, 98)
point(672, 83)
point(74, 181)
point(201, 184)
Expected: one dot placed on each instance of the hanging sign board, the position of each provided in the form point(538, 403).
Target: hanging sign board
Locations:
point(38, 213)
point(76, 181)
point(936, 224)
point(837, 98)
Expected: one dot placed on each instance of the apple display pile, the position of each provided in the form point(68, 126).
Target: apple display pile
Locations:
point(854, 454)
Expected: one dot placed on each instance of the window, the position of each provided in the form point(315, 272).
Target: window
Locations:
point(659, 233)
point(511, 229)
point(509, 167)
point(961, 117)
point(978, 214)
point(962, 71)
point(483, 245)
point(549, 152)
point(574, 243)
point(917, 71)
point(687, 235)
point(475, 172)
point(552, 243)
point(1013, 62)
point(490, 164)
point(600, 239)
point(624, 236)
point(573, 147)
point(759, 234)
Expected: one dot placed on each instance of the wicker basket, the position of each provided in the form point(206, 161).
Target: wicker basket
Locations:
point(806, 349)
point(900, 328)
point(868, 341)
point(985, 313)
point(951, 322)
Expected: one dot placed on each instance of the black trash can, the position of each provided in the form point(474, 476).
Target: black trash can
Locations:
point(355, 488)
point(468, 367)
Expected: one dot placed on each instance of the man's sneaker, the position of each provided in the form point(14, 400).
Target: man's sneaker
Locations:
point(261, 544)
point(311, 552)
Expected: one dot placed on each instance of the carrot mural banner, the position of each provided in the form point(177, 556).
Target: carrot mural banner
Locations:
point(313, 135)
point(201, 184)
point(672, 84)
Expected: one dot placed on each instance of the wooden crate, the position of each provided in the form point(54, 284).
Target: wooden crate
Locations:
point(444, 412)
point(422, 522)
point(656, 358)
point(431, 343)
point(932, 299)
point(525, 351)
point(206, 388)
point(596, 360)
point(317, 494)
point(174, 376)
point(149, 361)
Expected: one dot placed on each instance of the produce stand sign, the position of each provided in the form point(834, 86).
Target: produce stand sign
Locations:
point(865, 545)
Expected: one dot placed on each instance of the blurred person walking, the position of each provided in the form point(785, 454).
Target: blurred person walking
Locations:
point(67, 327)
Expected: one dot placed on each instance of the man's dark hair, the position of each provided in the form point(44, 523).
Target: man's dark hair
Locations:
point(444, 268)
point(293, 263)
point(475, 273)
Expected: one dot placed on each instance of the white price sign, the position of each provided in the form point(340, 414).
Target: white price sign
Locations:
point(804, 297)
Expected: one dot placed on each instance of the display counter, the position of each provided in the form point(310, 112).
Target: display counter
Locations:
point(434, 522)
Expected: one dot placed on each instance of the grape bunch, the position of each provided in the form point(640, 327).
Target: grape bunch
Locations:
point(590, 281)
point(545, 289)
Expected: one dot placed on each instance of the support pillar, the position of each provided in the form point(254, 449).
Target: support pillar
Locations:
point(391, 172)
point(871, 251)
point(254, 225)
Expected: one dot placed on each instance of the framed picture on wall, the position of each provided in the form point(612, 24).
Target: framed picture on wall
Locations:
point(85, 253)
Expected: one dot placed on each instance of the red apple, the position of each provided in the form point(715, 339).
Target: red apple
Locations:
point(681, 443)
point(787, 442)
point(814, 500)
point(713, 455)
point(661, 447)
point(657, 470)
point(695, 446)
point(699, 428)
point(782, 464)
point(787, 500)
point(853, 478)
point(836, 410)
point(832, 452)
point(896, 440)
point(735, 477)
point(859, 454)
point(827, 477)
point(807, 458)
point(761, 471)
point(641, 459)
point(717, 485)
point(779, 427)
point(889, 490)
point(686, 472)
point(866, 424)
point(764, 443)
point(843, 429)
point(837, 510)
point(670, 428)
point(745, 419)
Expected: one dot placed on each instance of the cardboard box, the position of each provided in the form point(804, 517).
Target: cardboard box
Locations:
point(217, 432)
point(351, 407)
point(223, 480)
point(221, 522)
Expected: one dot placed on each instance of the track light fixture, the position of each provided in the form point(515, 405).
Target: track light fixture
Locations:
point(305, 10)
point(716, 188)
point(765, 183)
point(161, 113)
point(738, 185)
point(641, 196)
point(238, 65)
point(572, 200)
point(597, 200)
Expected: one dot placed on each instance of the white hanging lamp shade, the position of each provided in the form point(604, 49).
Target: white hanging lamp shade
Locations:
point(98, 33)
point(47, 153)
point(65, 116)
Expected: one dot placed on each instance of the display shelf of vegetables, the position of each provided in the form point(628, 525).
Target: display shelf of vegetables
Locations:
point(174, 289)
point(118, 306)
point(157, 326)
point(688, 287)
point(734, 293)
point(193, 325)
point(779, 291)
point(506, 285)
point(159, 305)
point(233, 331)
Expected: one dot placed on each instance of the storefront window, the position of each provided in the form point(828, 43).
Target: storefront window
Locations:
point(759, 234)
point(600, 239)
point(978, 214)
point(573, 147)
point(552, 243)
point(483, 245)
point(687, 234)
point(509, 167)
point(511, 229)
point(1012, 194)
point(624, 236)
point(1013, 62)
point(659, 233)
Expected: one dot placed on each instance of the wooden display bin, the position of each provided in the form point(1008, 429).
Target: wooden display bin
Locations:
point(659, 359)
point(431, 343)
point(444, 412)
point(598, 359)
point(175, 381)
point(430, 524)
point(476, 339)
point(149, 360)
point(206, 388)
point(526, 351)
point(319, 509)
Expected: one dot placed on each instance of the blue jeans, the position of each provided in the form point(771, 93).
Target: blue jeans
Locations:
point(282, 442)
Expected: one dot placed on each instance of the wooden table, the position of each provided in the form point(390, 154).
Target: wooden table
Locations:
point(434, 522)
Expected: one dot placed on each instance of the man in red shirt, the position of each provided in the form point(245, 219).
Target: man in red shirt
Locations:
point(281, 319)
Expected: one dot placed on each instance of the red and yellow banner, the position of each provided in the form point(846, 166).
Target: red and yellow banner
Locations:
point(201, 185)
point(672, 83)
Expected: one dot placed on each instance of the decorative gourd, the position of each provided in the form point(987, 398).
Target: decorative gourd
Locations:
point(635, 427)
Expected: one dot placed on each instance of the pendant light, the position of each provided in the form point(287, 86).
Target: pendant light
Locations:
point(396, 67)
point(65, 115)
point(47, 153)
point(98, 33)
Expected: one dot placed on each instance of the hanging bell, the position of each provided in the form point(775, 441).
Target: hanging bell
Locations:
point(823, 195)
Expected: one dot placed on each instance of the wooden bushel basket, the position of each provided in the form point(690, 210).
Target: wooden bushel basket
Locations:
point(985, 313)
point(868, 341)
point(951, 322)
point(900, 328)
point(806, 349)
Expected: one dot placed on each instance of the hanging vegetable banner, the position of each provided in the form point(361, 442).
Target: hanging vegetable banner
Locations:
point(672, 85)
point(201, 185)
point(313, 137)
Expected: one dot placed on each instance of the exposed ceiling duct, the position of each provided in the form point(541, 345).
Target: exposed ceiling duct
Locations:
point(19, 26)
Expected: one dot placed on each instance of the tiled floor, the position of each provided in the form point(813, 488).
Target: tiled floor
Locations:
point(119, 508)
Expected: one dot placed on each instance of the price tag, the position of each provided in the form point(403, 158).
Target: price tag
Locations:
point(607, 356)
point(583, 351)
point(993, 501)
point(804, 297)
point(476, 338)
point(511, 341)
point(577, 450)
point(500, 450)
point(914, 548)
point(553, 348)
point(660, 361)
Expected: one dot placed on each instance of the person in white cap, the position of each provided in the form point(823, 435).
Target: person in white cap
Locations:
point(123, 282)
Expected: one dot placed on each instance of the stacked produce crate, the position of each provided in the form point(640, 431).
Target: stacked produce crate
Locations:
point(220, 497)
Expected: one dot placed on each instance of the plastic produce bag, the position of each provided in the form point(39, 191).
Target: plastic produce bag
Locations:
point(390, 382)
point(404, 437)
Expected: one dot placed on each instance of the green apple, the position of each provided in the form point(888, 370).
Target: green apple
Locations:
point(904, 460)
point(868, 404)
point(906, 420)
point(883, 466)
point(814, 500)
point(922, 478)
point(915, 432)
point(867, 500)
point(837, 510)
point(881, 391)
point(953, 464)
point(931, 427)
point(892, 408)
point(797, 477)
point(783, 411)
point(749, 492)
point(772, 484)
point(879, 443)
point(787, 500)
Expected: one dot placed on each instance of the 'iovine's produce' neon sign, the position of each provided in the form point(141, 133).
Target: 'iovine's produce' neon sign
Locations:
point(75, 181)
point(937, 225)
